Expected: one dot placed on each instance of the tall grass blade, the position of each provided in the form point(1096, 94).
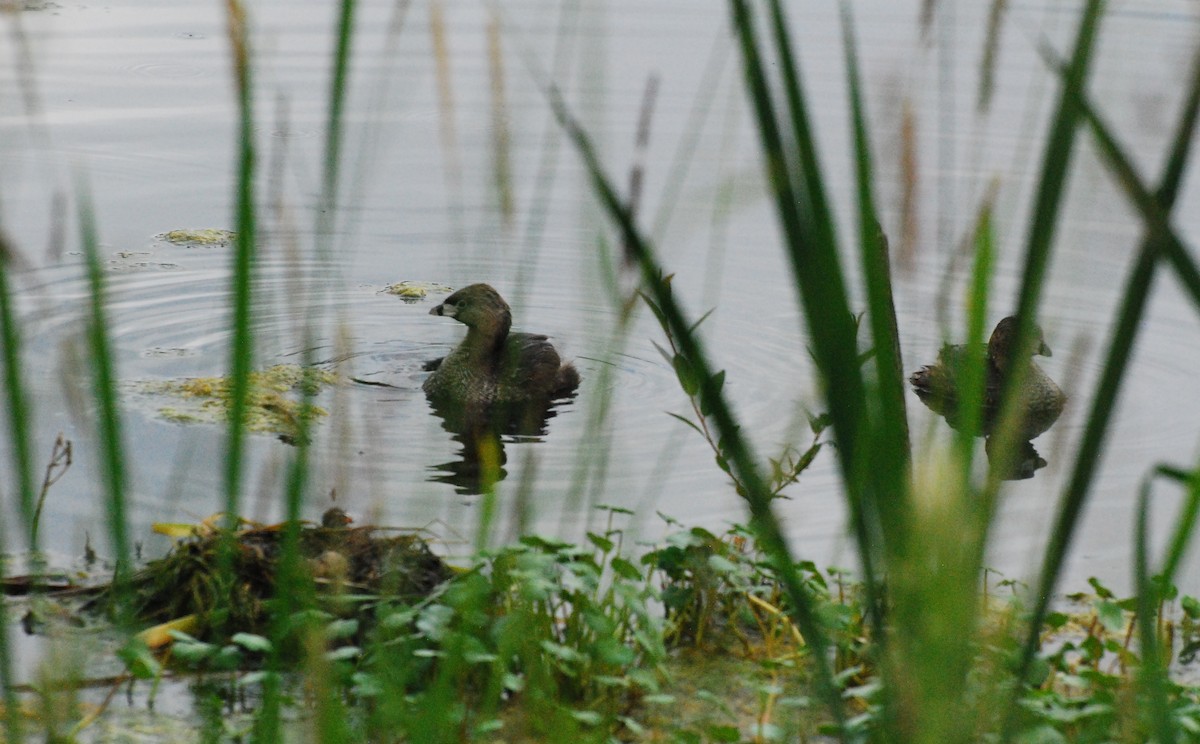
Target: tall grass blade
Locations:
point(1185, 527)
point(890, 451)
point(684, 155)
point(502, 174)
point(1151, 205)
point(1056, 163)
point(807, 226)
point(109, 433)
point(15, 397)
point(20, 436)
point(447, 129)
point(1132, 307)
point(327, 210)
point(972, 381)
point(241, 352)
point(1052, 180)
point(737, 449)
point(1152, 676)
point(991, 53)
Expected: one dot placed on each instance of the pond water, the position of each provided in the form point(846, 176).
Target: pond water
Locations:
point(134, 104)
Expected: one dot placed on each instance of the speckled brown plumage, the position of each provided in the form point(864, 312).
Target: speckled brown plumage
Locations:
point(1041, 399)
point(492, 365)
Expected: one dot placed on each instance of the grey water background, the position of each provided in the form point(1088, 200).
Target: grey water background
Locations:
point(135, 101)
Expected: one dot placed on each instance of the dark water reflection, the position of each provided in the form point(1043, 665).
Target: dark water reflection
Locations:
point(138, 98)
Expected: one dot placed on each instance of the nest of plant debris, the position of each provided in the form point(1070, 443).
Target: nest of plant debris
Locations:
point(227, 577)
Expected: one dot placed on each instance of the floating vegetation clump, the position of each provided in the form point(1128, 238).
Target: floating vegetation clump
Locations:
point(334, 559)
point(271, 405)
point(411, 291)
point(203, 238)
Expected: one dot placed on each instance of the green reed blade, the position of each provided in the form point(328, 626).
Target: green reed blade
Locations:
point(1185, 528)
point(327, 210)
point(991, 47)
point(109, 430)
point(19, 427)
point(818, 277)
point(738, 449)
point(1153, 209)
point(1051, 184)
point(1056, 163)
point(1052, 181)
point(1152, 676)
point(810, 182)
point(972, 380)
point(241, 352)
point(685, 151)
point(16, 398)
point(1128, 320)
point(889, 441)
point(1160, 237)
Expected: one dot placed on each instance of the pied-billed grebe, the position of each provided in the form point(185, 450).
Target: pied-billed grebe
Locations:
point(492, 365)
point(1042, 401)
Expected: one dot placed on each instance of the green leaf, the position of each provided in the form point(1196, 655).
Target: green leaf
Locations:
point(252, 642)
point(192, 653)
point(229, 657)
point(344, 653)
point(658, 313)
point(560, 651)
point(724, 733)
point(341, 629)
point(587, 717)
point(708, 398)
point(1101, 590)
point(686, 375)
point(1056, 620)
point(722, 565)
point(602, 543)
point(1111, 616)
point(625, 569)
point(139, 661)
point(1044, 734)
point(1191, 606)
point(694, 326)
point(666, 355)
point(686, 421)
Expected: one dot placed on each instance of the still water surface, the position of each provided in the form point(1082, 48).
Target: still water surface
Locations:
point(135, 102)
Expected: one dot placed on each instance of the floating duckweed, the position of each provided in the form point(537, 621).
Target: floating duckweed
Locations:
point(204, 237)
point(268, 408)
point(180, 415)
point(411, 291)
